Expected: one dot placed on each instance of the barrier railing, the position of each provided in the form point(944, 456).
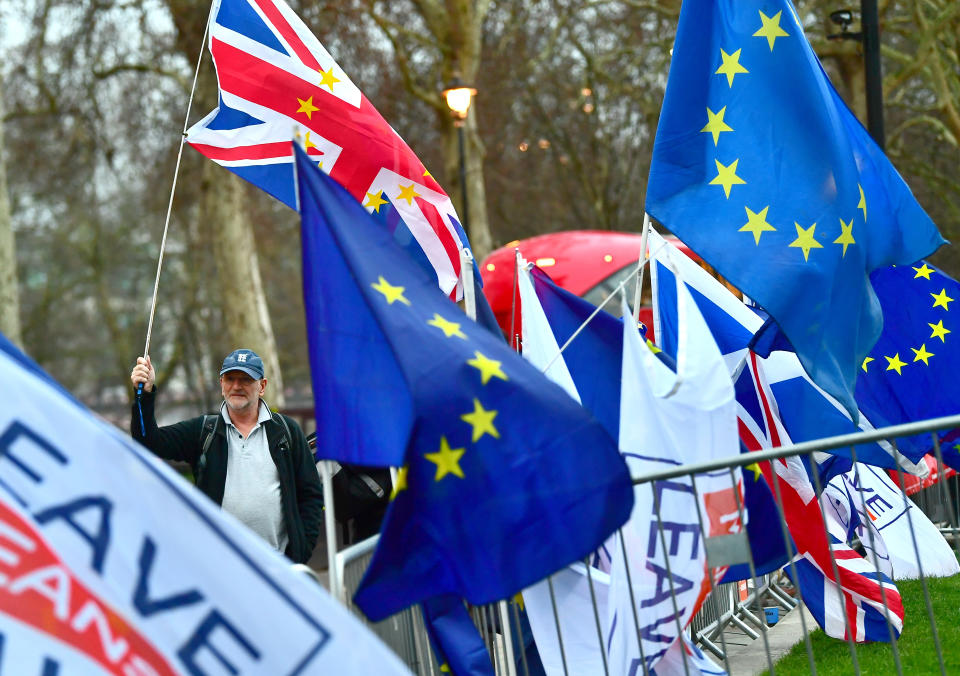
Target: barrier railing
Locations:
point(726, 611)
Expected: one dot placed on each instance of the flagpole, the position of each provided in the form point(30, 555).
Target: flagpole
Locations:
point(166, 222)
point(173, 188)
point(640, 262)
point(466, 279)
point(327, 468)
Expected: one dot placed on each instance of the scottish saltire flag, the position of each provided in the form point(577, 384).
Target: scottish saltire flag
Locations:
point(760, 168)
point(131, 571)
point(874, 499)
point(454, 638)
point(592, 359)
point(856, 600)
point(495, 490)
point(669, 419)
point(276, 81)
point(807, 411)
point(911, 373)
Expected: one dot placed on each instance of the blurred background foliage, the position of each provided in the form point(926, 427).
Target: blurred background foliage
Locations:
point(94, 94)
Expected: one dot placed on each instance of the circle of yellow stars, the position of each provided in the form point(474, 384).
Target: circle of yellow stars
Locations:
point(727, 177)
point(481, 421)
point(937, 331)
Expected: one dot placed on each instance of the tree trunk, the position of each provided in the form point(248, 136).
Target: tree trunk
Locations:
point(243, 300)
point(9, 296)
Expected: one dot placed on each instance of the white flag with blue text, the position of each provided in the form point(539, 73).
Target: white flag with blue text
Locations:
point(111, 563)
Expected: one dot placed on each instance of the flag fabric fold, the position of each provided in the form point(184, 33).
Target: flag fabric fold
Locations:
point(911, 372)
point(276, 81)
point(807, 411)
point(669, 419)
point(775, 184)
point(454, 637)
point(496, 490)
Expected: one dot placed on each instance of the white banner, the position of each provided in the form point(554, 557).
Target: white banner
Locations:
point(110, 563)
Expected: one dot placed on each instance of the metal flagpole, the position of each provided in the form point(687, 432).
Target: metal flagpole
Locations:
point(640, 262)
point(166, 223)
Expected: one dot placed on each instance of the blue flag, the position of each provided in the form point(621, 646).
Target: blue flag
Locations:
point(762, 170)
point(912, 372)
point(593, 357)
point(454, 638)
point(505, 478)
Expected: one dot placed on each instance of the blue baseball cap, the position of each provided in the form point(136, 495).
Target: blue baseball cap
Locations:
point(247, 361)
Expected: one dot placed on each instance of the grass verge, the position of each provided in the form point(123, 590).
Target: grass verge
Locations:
point(916, 645)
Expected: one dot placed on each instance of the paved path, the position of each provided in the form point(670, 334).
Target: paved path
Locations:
point(751, 659)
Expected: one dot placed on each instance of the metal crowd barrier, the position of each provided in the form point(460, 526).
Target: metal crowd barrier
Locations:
point(726, 610)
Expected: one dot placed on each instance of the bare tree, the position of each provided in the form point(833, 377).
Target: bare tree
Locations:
point(9, 294)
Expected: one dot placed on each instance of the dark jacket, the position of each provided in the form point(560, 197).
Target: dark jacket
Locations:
point(300, 489)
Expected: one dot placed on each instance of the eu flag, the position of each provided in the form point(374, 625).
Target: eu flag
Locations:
point(504, 478)
point(911, 373)
point(762, 170)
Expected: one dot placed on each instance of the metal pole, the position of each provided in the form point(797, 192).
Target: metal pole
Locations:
point(870, 25)
point(463, 176)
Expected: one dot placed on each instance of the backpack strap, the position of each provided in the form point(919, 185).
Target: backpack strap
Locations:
point(286, 428)
point(207, 432)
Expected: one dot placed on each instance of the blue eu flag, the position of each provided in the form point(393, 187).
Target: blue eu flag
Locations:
point(504, 477)
point(912, 372)
point(761, 169)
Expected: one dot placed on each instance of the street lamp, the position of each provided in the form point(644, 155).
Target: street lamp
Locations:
point(869, 36)
point(459, 97)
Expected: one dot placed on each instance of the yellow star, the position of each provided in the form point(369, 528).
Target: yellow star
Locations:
point(846, 237)
point(426, 173)
point(727, 177)
point(390, 292)
point(894, 363)
point(328, 79)
point(939, 331)
point(922, 354)
point(518, 599)
point(489, 368)
point(716, 125)
point(755, 468)
point(941, 299)
point(805, 240)
point(862, 205)
point(757, 224)
point(482, 421)
point(923, 271)
point(449, 328)
point(307, 107)
point(865, 362)
point(375, 200)
point(307, 145)
point(770, 29)
point(401, 484)
point(731, 66)
point(444, 668)
point(446, 459)
point(408, 192)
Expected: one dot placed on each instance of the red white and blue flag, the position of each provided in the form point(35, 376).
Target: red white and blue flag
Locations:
point(277, 82)
point(855, 597)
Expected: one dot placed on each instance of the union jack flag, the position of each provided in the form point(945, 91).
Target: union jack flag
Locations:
point(854, 596)
point(276, 81)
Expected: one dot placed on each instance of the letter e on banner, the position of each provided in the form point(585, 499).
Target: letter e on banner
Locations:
point(39, 590)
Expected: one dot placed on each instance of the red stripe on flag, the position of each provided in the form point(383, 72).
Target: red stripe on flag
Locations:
point(450, 245)
point(261, 151)
point(287, 33)
point(368, 142)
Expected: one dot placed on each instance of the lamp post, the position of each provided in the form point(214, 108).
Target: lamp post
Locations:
point(869, 35)
point(459, 97)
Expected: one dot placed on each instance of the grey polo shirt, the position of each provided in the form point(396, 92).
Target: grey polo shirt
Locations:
point(252, 489)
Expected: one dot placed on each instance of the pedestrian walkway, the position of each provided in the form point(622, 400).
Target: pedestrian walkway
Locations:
point(750, 659)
